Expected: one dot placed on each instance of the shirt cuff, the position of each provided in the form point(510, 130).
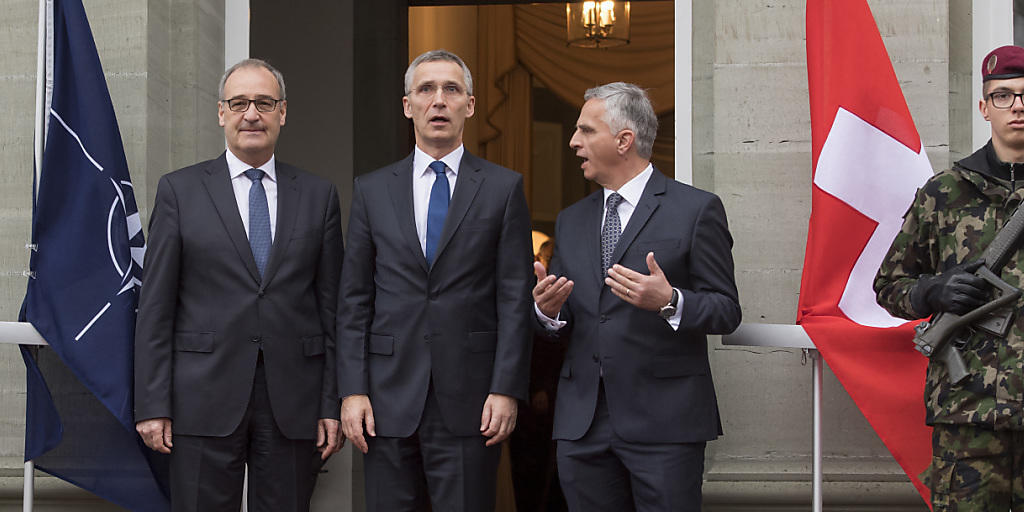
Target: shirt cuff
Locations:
point(677, 318)
point(553, 324)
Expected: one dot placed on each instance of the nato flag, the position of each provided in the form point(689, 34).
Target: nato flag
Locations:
point(83, 293)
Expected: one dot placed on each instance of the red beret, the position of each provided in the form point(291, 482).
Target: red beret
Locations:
point(1002, 63)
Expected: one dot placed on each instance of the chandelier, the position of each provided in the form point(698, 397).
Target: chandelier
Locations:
point(602, 24)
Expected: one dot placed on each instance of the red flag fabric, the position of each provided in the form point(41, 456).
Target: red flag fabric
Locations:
point(868, 162)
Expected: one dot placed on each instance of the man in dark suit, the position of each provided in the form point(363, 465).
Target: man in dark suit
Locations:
point(434, 310)
point(234, 344)
point(642, 272)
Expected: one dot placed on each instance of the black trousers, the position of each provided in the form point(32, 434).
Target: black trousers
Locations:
point(207, 473)
point(431, 470)
point(603, 472)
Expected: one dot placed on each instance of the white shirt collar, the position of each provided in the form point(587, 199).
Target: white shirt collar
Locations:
point(236, 166)
point(421, 160)
point(633, 189)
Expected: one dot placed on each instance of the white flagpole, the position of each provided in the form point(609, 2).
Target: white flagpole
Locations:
point(28, 492)
point(40, 93)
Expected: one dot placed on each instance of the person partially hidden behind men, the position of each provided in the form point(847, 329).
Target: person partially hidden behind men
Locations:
point(642, 272)
point(234, 347)
point(978, 436)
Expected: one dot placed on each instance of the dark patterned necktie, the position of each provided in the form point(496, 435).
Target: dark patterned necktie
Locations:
point(437, 209)
point(611, 231)
point(259, 220)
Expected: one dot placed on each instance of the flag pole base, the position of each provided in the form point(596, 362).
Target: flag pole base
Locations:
point(816, 365)
point(28, 494)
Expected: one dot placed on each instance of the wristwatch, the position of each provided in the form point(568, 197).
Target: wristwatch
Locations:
point(669, 310)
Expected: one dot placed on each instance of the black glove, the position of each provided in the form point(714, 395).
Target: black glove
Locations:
point(956, 290)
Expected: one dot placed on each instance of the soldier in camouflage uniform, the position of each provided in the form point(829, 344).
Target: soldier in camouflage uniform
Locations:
point(978, 437)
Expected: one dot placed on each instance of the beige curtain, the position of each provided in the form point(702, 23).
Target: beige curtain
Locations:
point(504, 96)
point(517, 44)
point(648, 60)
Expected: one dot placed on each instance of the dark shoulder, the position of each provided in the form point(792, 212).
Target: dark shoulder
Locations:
point(689, 197)
point(304, 177)
point(196, 170)
point(494, 173)
point(192, 176)
point(580, 208)
point(379, 177)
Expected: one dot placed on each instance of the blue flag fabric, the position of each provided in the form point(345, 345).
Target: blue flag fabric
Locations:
point(83, 294)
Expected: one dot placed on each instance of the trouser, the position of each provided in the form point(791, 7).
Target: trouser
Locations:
point(432, 469)
point(976, 469)
point(207, 473)
point(603, 472)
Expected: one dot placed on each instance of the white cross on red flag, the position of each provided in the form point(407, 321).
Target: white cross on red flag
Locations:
point(868, 162)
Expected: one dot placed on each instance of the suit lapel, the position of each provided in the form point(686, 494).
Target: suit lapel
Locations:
point(643, 211)
point(400, 188)
point(466, 186)
point(288, 196)
point(592, 234)
point(218, 185)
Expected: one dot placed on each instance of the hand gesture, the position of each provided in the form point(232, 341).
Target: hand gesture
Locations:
point(650, 292)
point(551, 291)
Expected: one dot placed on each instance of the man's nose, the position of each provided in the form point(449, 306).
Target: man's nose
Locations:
point(251, 114)
point(439, 97)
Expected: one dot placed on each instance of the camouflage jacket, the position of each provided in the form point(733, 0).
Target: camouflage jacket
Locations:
point(953, 219)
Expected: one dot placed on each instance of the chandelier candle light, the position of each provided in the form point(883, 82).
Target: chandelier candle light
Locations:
point(602, 24)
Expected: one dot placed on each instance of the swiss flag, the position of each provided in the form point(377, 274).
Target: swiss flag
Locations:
point(868, 163)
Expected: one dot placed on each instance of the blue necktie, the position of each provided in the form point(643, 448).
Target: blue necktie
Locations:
point(437, 209)
point(259, 220)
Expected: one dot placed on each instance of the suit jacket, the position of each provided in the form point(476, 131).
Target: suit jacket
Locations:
point(657, 380)
point(462, 325)
point(204, 312)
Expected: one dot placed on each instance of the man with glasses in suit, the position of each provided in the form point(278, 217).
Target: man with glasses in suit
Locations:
point(234, 348)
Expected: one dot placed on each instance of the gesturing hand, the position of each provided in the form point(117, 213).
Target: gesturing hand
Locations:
point(551, 291)
point(650, 292)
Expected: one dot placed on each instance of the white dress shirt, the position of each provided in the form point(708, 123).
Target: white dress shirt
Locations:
point(423, 180)
point(241, 184)
point(631, 193)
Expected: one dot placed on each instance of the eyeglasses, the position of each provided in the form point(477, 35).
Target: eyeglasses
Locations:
point(430, 89)
point(265, 105)
point(1005, 99)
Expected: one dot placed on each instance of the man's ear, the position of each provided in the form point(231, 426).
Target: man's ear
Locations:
point(624, 141)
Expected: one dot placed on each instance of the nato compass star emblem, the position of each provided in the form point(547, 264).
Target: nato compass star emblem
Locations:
point(129, 269)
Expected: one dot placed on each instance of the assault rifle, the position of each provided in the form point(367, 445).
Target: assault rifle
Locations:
point(936, 337)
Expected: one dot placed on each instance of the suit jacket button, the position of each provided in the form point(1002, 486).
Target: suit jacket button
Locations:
point(260, 294)
point(604, 318)
point(597, 358)
point(255, 339)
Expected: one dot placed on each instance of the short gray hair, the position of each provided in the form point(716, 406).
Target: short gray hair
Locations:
point(436, 55)
point(627, 106)
point(251, 63)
